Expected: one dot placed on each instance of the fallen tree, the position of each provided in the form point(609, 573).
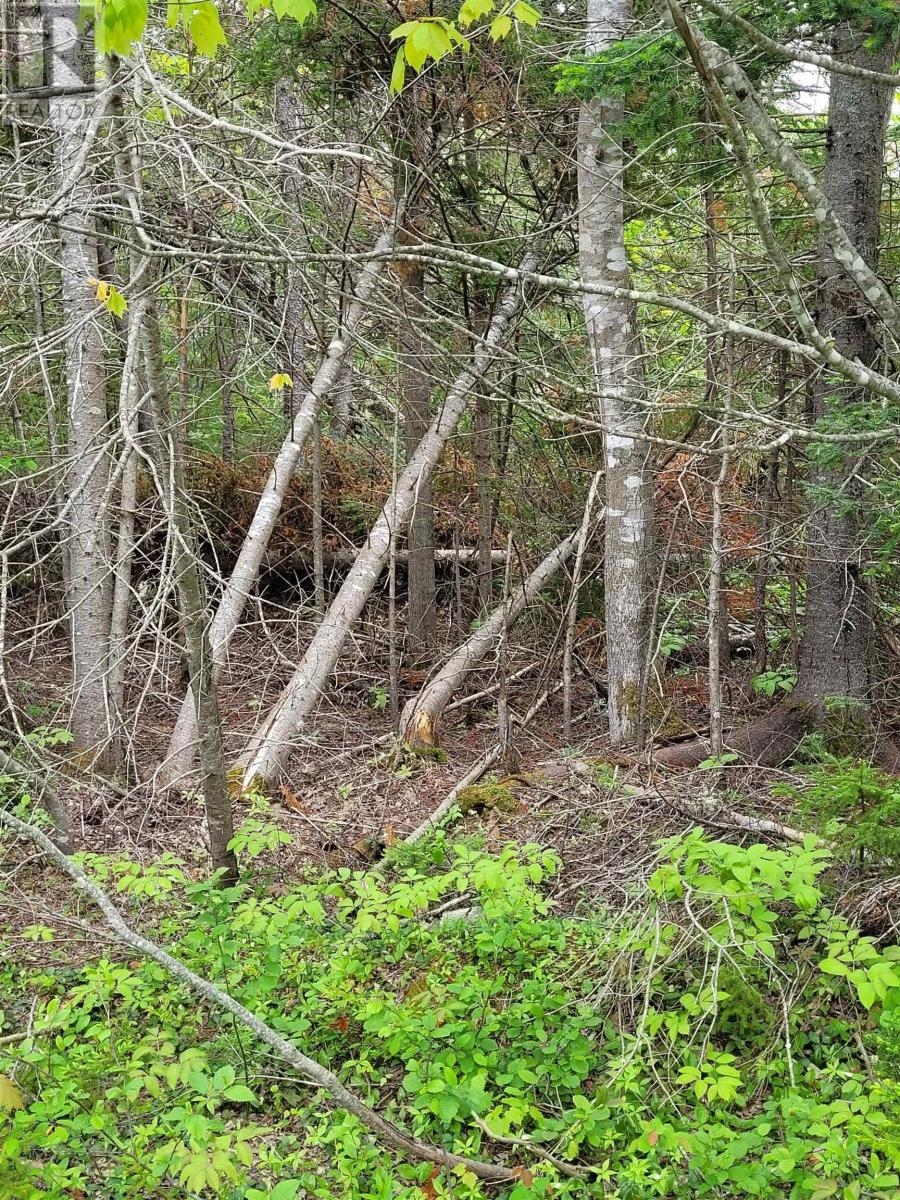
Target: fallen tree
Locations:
point(182, 745)
point(271, 743)
point(420, 720)
point(345, 556)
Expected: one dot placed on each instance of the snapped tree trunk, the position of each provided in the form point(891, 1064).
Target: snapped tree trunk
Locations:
point(272, 742)
point(617, 353)
point(88, 474)
point(834, 652)
point(420, 722)
point(182, 745)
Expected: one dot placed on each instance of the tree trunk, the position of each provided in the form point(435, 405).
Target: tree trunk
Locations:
point(180, 755)
point(289, 118)
point(616, 347)
point(86, 388)
point(129, 405)
point(272, 742)
point(192, 603)
point(834, 651)
point(415, 370)
point(420, 722)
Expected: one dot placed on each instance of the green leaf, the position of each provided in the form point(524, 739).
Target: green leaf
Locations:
point(286, 1189)
point(116, 302)
point(240, 1093)
point(119, 25)
point(526, 13)
point(500, 27)
point(398, 75)
point(205, 29)
point(832, 966)
point(866, 992)
point(403, 30)
point(299, 10)
point(446, 1107)
point(473, 9)
point(428, 40)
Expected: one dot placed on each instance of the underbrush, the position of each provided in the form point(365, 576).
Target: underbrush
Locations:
point(728, 1036)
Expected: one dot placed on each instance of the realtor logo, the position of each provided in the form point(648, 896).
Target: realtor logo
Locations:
point(46, 51)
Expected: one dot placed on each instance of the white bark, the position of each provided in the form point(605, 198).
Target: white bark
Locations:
point(86, 389)
point(180, 755)
point(571, 616)
point(420, 723)
point(273, 740)
point(129, 410)
point(617, 351)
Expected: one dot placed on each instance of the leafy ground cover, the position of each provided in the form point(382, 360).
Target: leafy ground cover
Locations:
point(727, 1034)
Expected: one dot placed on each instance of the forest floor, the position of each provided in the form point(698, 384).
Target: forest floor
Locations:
point(346, 792)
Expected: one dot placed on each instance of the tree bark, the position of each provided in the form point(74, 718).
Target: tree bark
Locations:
point(180, 755)
point(420, 722)
point(834, 651)
point(86, 388)
point(129, 406)
point(617, 353)
point(415, 390)
point(195, 616)
point(415, 371)
point(272, 742)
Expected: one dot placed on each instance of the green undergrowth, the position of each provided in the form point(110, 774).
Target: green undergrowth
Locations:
point(727, 1035)
point(851, 803)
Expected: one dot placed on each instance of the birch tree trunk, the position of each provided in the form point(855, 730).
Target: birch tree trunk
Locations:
point(180, 755)
point(88, 596)
point(420, 722)
point(617, 353)
point(834, 652)
point(272, 742)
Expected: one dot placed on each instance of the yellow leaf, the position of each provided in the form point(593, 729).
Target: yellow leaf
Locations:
point(10, 1096)
point(277, 382)
point(102, 289)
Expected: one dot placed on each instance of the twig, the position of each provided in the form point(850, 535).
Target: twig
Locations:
point(525, 1143)
point(383, 1129)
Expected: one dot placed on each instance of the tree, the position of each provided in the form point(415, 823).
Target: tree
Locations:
point(835, 652)
point(618, 361)
point(88, 453)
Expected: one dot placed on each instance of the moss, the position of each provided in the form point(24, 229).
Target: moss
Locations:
point(490, 793)
point(629, 697)
point(845, 727)
point(661, 717)
point(430, 753)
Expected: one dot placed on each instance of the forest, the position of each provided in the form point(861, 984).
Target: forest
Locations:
point(450, 599)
